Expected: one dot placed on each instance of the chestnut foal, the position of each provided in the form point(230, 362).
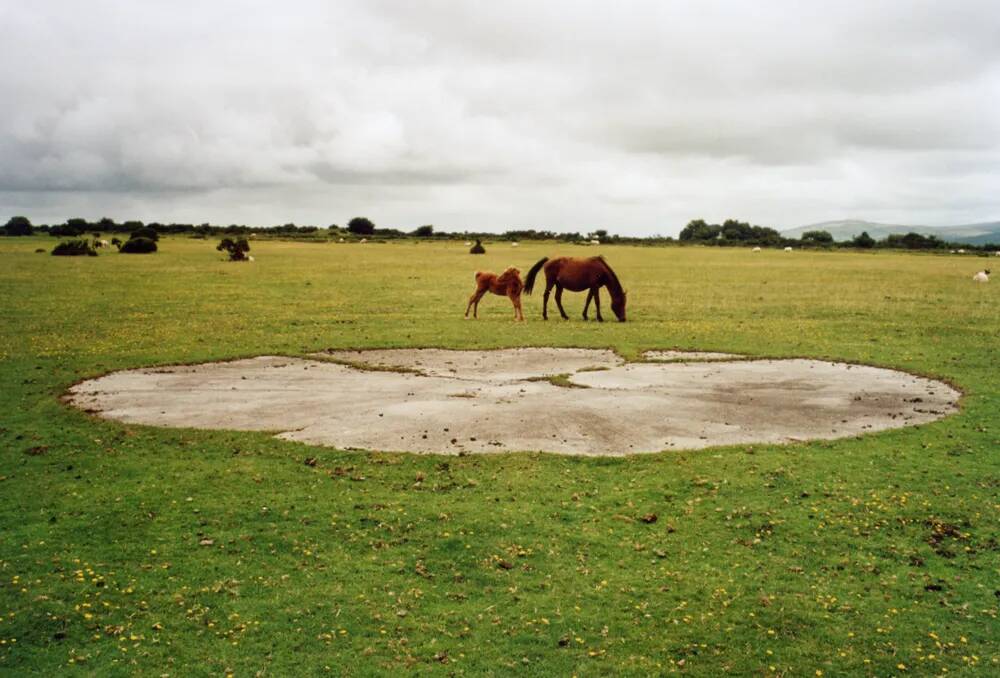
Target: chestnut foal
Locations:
point(507, 284)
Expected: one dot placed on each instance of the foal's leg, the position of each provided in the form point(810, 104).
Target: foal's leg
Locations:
point(474, 302)
point(515, 298)
point(586, 304)
point(562, 311)
point(597, 303)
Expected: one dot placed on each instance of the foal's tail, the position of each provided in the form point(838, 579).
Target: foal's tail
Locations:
point(529, 283)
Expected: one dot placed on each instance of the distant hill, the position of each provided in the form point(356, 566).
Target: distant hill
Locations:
point(845, 229)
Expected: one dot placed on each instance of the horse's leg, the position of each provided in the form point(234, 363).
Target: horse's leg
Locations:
point(515, 298)
point(562, 311)
point(545, 299)
point(474, 302)
point(597, 303)
point(586, 304)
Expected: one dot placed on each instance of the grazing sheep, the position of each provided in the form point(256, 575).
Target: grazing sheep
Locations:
point(788, 249)
point(341, 240)
point(250, 257)
point(364, 240)
point(595, 241)
point(756, 249)
point(515, 244)
point(961, 251)
point(982, 276)
point(468, 243)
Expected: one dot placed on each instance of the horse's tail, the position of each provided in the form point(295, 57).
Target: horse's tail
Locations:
point(529, 282)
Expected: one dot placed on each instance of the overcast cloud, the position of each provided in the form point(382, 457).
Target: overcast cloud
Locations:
point(630, 116)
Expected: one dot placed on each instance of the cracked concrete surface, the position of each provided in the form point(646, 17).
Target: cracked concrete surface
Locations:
point(454, 402)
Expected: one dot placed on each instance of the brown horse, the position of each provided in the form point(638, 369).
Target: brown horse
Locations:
point(577, 275)
point(507, 284)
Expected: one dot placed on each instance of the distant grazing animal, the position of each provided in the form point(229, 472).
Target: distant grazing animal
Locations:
point(982, 276)
point(468, 243)
point(364, 240)
point(102, 243)
point(960, 251)
point(788, 249)
point(515, 244)
point(477, 248)
point(506, 284)
point(756, 249)
point(577, 275)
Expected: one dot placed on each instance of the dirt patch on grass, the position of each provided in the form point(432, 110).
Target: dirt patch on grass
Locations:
point(494, 401)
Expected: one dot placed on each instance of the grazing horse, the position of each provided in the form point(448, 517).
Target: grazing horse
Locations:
point(507, 284)
point(577, 275)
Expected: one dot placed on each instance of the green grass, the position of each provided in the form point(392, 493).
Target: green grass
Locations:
point(136, 550)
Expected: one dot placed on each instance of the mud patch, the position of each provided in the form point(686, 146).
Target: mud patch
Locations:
point(495, 401)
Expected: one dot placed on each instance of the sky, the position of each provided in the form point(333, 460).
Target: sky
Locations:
point(635, 117)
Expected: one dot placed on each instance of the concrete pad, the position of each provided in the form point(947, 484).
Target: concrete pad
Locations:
point(493, 401)
point(681, 356)
point(508, 364)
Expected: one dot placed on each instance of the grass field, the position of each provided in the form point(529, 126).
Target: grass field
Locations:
point(134, 550)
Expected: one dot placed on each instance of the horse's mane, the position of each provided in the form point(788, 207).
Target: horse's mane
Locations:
point(614, 286)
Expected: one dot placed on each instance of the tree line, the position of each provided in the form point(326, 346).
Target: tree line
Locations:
point(731, 232)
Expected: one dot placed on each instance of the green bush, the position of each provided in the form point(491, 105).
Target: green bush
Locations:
point(138, 246)
point(237, 249)
point(74, 248)
point(18, 226)
point(145, 232)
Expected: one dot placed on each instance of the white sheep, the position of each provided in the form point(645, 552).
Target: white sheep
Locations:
point(961, 251)
point(756, 249)
point(468, 243)
point(595, 241)
point(982, 276)
point(364, 240)
point(515, 244)
point(788, 249)
point(250, 257)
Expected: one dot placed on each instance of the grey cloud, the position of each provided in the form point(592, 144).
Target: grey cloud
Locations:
point(635, 116)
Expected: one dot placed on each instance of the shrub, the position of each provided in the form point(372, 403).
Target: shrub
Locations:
point(18, 226)
point(145, 232)
point(74, 248)
point(138, 246)
point(237, 249)
point(864, 240)
point(477, 248)
point(361, 226)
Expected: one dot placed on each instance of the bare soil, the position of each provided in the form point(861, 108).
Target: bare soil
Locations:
point(441, 401)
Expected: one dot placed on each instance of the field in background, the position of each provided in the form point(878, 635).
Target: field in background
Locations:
point(152, 551)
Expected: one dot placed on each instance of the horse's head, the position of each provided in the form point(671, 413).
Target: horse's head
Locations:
point(618, 306)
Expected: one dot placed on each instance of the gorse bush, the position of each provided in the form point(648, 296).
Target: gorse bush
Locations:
point(145, 232)
point(74, 248)
point(138, 246)
point(237, 249)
